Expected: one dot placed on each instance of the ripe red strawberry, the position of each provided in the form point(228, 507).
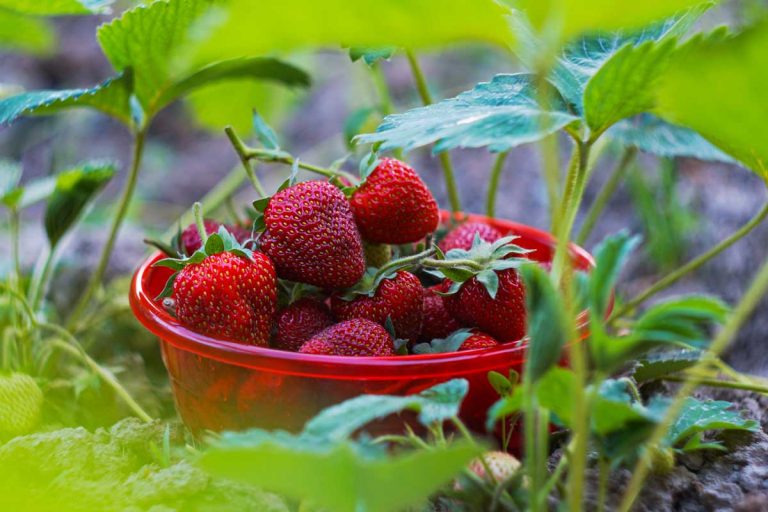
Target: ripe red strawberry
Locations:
point(503, 317)
point(437, 323)
point(225, 291)
point(485, 290)
point(401, 298)
point(478, 339)
point(311, 236)
point(190, 241)
point(300, 321)
point(356, 337)
point(463, 236)
point(393, 205)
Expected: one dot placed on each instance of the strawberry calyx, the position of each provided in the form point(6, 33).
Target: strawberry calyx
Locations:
point(221, 241)
point(483, 261)
point(373, 276)
point(452, 343)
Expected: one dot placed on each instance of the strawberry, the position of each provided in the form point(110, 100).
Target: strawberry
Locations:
point(501, 464)
point(189, 240)
point(437, 323)
point(356, 337)
point(486, 290)
point(398, 296)
point(463, 236)
point(311, 236)
point(300, 321)
point(393, 205)
point(376, 255)
point(225, 290)
point(460, 340)
point(21, 401)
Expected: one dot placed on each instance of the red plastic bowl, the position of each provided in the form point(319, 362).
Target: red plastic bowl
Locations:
point(220, 385)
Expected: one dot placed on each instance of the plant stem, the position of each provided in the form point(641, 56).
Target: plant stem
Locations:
point(715, 383)
point(445, 158)
point(122, 209)
point(386, 106)
point(493, 184)
point(431, 262)
point(692, 265)
point(15, 277)
point(605, 194)
point(740, 314)
point(413, 258)
point(197, 210)
point(40, 279)
point(242, 152)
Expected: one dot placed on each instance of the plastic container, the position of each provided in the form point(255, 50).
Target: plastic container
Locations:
point(220, 385)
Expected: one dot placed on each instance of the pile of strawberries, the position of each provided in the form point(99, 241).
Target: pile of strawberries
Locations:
point(317, 273)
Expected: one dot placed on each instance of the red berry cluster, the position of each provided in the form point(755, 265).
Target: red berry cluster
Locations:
point(314, 238)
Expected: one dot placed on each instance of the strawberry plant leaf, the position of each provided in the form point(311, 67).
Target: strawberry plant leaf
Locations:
point(371, 55)
point(55, 7)
point(501, 384)
point(695, 443)
point(579, 16)
point(490, 281)
point(546, 322)
point(342, 476)
point(659, 364)
point(610, 257)
point(735, 71)
point(74, 190)
point(111, 97)
point(499, 114)
point(680, 320)
point(434, 405)
point(264, 132)
point(364, 23)
point(441, 346)
point(250, 68)
point(653, 135)
point(26, 34)
point(699, 416)
point(10, 175)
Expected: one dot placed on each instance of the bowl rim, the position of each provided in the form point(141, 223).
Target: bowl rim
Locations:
point(160, 323)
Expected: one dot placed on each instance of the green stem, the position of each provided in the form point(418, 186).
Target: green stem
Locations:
point(401, 262)
point(605, 194)
point(740, 314)
point(242, 152)
point(691, 266)
point(529, 432)
point(122, 209)
point(445, 158)
point(15, 277)
point(493, 184)
point(715, 383)
point(431, 262)
point(197, 210)
point(39, 284)
point(266, 155)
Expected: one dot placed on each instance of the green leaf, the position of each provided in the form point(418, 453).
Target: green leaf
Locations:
point(434, 405)
point(716, 86)
point(10, 174)
point(371, 55)
point(36, 191)
point(698, 416)
point(624, 85)
point(615, 410)
point(214, 244)
point(338, 476)
point(499, 114)
point(74, 190)
point(553, 392)
point(610, 257)
point(490, 282)
point(235, 31)
point(661, 364)
point(547, 326)
point(680, 319)
point(111, 97)
point(253, 68)
point(574, 17)
point(440, 346)
point(264, 132)
point(648, 133)
point(501, 384)
point(22, 33)
point(55, 7)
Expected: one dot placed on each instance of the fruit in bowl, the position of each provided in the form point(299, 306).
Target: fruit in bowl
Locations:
point(289, 320)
